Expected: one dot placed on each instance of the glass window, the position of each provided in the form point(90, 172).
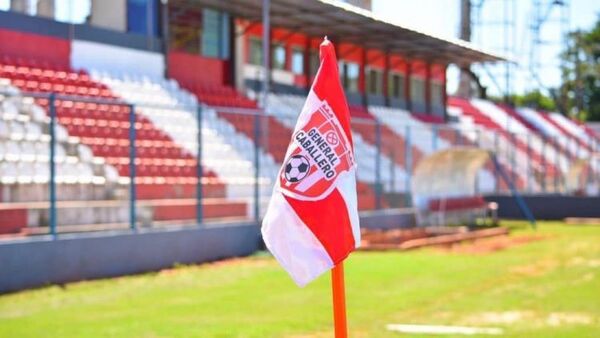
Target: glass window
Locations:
point(396, 85)
point(4, 5)
point(278, 61)
point(315, 62)
point(72, 11)
point(352, 75)
point(142, 17)
point(255, 51)
point(208, 35)
point(417, 90)
point(211, 26)
point(297, 61)
point(375, 81)
point(437, 94)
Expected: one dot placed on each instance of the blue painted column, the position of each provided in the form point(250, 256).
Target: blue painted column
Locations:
point(52, 163)
point(199, 169)
point(132, 167)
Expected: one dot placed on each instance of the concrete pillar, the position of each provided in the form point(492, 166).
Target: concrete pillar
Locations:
point(21, 6)
point(45, 8)
point(239, 57)
point(110, 14)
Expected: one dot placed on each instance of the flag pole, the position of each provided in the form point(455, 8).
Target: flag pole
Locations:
point(339, 301)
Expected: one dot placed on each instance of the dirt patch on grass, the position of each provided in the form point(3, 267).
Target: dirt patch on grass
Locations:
point(488, 245)
point(536, 269)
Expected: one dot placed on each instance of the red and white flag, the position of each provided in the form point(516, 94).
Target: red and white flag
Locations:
point(312, 223)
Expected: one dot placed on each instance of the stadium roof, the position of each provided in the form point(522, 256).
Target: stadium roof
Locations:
point(346, 23)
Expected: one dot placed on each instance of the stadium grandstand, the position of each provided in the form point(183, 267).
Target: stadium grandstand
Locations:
point(149, 113)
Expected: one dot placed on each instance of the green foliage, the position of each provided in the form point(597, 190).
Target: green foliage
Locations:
point(534, 99)
point(579, 94)
point(544, 288)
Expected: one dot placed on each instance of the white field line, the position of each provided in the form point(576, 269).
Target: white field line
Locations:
point(442, 329)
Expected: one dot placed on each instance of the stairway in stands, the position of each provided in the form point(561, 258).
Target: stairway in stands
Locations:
point(164, 170)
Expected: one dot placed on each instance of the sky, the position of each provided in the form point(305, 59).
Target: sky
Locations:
point(442, 17)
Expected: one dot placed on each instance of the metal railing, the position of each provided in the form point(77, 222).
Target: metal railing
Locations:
point(387, 154)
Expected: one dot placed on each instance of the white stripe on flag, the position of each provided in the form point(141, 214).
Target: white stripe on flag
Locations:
point(292, 243)
point(346, 184)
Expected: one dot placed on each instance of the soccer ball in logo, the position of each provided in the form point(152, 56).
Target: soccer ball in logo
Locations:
point(297, 168)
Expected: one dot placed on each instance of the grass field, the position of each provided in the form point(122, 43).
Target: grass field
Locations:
point(548, 287)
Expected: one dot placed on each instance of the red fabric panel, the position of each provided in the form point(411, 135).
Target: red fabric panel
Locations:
point(37, 47)
point(328, 220)
point(192, 69)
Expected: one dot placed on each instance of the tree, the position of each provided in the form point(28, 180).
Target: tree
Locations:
point(579, 93)
point(533, 99)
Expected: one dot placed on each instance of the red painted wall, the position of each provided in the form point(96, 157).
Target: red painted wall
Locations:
point(191, 69)
point(356, 54)
point(33, 47)
point(438, 73)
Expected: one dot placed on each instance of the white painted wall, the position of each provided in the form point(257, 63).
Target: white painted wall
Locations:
point(116, 60)
point(110, 14)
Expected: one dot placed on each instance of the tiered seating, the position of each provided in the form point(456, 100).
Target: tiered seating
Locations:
point(523, 137)
point(166, 105)
point(279, 133)
point(25, 169)
point(392, 144)
point(509, 145)
point(573, 128)
point(427, 118)
point(286, 107)
point(163, 168)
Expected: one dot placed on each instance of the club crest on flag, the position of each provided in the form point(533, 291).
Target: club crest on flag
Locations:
point(318, 154)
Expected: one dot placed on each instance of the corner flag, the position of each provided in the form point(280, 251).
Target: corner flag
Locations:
point(312, 224)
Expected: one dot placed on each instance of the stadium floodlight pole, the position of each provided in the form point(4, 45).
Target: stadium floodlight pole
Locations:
point(52, 179)
point(132, 189)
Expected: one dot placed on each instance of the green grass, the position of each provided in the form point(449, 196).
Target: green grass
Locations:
point(545, 288)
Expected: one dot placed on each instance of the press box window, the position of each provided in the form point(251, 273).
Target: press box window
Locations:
point(278, 61)
point(396, 86)
point(375, 82)
point(255, 52)
point(437, 94)
point(297, 61)
point(349, 73)
point(417, 90)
